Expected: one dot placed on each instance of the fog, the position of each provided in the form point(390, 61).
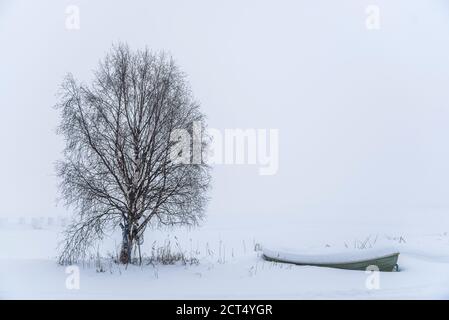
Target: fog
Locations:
point(362, 114)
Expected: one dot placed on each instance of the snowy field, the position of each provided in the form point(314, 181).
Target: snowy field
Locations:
point(356, 89)
point(227, 262)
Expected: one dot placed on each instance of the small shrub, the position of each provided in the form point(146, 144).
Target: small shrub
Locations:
point(166, 255)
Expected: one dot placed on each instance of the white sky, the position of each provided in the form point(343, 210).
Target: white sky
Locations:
point(363, 116)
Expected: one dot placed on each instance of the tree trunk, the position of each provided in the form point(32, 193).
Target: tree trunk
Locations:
point(125, 252)
point(127, 245)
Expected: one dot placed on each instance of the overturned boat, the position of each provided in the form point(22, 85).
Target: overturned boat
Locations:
point(380, 259)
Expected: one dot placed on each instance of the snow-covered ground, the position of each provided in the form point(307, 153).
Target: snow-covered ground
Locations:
point(229, 266)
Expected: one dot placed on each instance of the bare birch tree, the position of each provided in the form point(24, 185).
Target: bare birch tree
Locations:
point(117, 169)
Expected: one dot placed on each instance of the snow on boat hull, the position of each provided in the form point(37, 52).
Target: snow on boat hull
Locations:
point(386, 262)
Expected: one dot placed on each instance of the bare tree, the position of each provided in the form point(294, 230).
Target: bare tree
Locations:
point(117, 169)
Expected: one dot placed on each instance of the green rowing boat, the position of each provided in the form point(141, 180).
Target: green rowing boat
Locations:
point(385, 260)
